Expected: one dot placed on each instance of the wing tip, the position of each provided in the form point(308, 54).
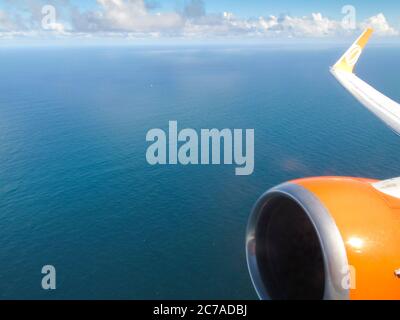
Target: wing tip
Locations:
point(348, 61)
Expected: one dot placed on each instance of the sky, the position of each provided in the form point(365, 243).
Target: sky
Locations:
point(249, 8)
point(131, 20)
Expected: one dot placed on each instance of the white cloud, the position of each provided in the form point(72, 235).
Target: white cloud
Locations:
point(57, 27)
point(5, 23)
point(8, 22)
point(136, 19)
point(194, 9)
point(315, 25)
point(380, 25)
point(133, 15)
point(219, 25)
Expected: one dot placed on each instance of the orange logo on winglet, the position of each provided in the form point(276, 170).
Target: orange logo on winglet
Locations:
point(353, 55)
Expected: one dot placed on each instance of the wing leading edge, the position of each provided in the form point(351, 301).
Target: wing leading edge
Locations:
point(383, 107)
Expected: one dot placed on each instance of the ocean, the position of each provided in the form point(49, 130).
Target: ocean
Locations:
point(76, 191)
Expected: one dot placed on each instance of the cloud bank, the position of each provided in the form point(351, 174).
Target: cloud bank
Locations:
point(140, 19)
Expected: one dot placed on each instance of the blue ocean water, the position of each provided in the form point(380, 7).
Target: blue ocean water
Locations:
point(76, 191)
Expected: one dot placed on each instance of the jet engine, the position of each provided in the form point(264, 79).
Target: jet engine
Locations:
point(331, 237)
point(326, 238)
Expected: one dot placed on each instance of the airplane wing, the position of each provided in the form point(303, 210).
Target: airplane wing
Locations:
point(383, 107)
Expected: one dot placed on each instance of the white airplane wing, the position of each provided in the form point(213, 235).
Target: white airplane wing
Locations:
point(383, 107)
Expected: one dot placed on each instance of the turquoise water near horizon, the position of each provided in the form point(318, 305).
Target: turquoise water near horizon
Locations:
point(76, 191)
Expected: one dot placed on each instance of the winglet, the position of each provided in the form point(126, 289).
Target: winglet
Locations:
point(350, 58)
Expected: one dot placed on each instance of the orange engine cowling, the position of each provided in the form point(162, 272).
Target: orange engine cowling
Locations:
point(326, 238)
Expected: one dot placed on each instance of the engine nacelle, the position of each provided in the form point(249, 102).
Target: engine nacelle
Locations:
point(326, 238)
